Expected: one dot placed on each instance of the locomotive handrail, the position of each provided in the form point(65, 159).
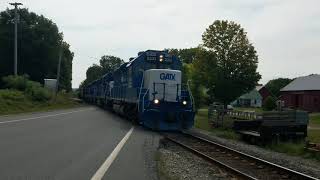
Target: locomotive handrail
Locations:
point(143, 99)
point(190, 93)
point(140, 91)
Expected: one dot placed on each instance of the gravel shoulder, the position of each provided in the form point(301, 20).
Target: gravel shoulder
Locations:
point(306, 166)
point(176, 163)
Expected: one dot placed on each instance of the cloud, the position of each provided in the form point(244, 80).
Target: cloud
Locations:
point(285, 33)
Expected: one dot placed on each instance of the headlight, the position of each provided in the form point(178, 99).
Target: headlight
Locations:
point(161, 58)
point(156, 101)
point(184, 102)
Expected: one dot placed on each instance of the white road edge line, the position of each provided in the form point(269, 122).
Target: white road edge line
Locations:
point(105, 166)
point(39, 117)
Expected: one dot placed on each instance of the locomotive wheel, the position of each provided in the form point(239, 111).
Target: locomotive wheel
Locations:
point(131, 113)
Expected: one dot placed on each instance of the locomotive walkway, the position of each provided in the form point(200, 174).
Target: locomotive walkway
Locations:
point(75, 144)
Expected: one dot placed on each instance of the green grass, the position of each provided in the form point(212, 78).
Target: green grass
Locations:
point(13, 101)
point(314, 120)
point(202, 122)
point(314, 135)
point(288, 147)
point(294, 149)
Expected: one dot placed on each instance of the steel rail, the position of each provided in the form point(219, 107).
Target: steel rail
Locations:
point(297, 174)
point(221, 164)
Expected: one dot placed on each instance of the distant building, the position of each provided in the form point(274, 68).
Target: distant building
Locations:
point(303, 93)
point(251, 99)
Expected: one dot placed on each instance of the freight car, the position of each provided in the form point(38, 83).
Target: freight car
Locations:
point(147, 89)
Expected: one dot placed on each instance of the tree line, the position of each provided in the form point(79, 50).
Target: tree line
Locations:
point(39, 43)
point(107, 64)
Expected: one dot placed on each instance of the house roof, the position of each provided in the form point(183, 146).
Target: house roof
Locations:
point(254, 94)
point(259, 87)
point(305, 83)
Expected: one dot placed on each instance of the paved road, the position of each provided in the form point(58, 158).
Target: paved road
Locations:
point(73, 144)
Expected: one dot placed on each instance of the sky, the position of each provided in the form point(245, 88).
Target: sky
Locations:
point(285, 33)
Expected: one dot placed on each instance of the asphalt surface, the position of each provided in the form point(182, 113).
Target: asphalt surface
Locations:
point(73, 144)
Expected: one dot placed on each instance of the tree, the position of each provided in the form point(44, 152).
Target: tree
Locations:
point(269, 104)
point(275, 85)
point(205, 67)
point(185, 55)
point(236, 61)
point(93, 72)
point(110, 63)
point(39, 43)
point(198, 89)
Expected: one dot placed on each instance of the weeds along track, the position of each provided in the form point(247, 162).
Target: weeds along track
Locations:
point(241, 165)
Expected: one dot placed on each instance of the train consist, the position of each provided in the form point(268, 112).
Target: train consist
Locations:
point(147, 89)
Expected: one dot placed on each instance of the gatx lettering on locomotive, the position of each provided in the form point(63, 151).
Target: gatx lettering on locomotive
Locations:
point(167, 76)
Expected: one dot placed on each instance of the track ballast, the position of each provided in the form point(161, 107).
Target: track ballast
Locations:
point(240, 164)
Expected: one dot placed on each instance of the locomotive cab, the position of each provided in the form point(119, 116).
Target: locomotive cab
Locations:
point(164, 84)
point(166, 103)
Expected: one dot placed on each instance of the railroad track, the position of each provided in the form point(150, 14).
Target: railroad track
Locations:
point(239, 164)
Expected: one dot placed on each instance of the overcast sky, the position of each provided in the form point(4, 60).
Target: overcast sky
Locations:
point(286, 33)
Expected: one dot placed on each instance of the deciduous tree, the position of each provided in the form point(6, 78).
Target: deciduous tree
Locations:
point(236, 61)
point(275, 85)
point(110, 63)
point(39, 43)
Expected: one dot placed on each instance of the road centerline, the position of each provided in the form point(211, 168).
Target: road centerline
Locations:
point(107, 163)
point(39, 117)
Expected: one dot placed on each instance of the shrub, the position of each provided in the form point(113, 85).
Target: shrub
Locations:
point(16, 82)
point(11, 95)
point(269, 104)
point(37, 92)
point(31, 88)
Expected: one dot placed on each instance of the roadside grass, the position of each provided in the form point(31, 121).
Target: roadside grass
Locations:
point(13, 101)
point(314, 120)
point(202, 122)
point(314, 135)
point(201, 119)
point(294, 149)
point(291, 148)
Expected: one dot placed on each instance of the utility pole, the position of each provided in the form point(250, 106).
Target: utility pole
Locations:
point(15, 36)
point(59, 67)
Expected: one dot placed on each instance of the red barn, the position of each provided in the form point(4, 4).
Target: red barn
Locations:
point(303, 93)
point(264, 92)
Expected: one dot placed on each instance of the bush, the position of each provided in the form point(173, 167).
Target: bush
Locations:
point(269, 104)
point(31, 88)
point(37, 92)
point(16, 82)
point(11, 95)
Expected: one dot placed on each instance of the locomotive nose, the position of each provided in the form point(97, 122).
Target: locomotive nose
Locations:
point(171, 117)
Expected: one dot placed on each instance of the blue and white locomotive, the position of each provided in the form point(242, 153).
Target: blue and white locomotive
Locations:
point(147, 89)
